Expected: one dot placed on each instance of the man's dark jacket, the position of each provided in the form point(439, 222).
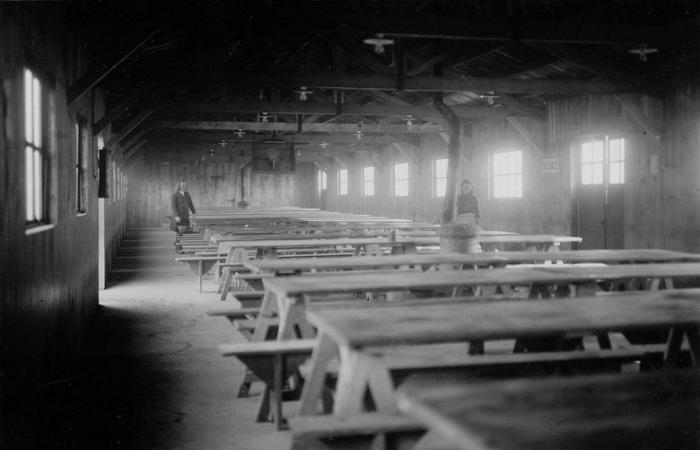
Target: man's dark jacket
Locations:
point(182, 205)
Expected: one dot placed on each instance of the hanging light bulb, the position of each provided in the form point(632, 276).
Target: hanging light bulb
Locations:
point(211, 152)
point(409, 121)
point(263, 117)
point(643, 51)
point(378, 41)
point(240, 133)
point(359, 133)
point(323, 145)
point(304, 93)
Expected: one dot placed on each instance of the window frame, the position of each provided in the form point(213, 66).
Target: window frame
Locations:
point(508, 184)
point(343, 184)
point(604, 164)
point(81, 151)
point(436, 179)
point(37, 143)
point(368, 182)
point(397, 189)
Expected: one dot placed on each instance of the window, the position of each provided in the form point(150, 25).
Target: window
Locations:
point(440, 177)
point(400, 179)
point(616, 160)
point(114, 181)
point(36, 159)
point(592, 162)
point(368, 181)
point(81, 162)
point(508, 174)
point(322, 181)
point(342, 181)
point(599, 153)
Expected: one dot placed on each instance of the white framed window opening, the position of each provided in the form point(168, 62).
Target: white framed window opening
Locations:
point(508, 174)
point(440, 177)
point(400, 176)
point(36, 159)
point(322, 179)
point(603, 159)
point(368, 181)
point(342, 182)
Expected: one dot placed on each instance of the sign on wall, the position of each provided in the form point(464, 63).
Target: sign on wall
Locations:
point(550, 165)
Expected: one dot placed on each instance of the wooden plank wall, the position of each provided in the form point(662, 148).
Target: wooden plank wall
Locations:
point(661, 190)
point(49, 280)
point(213, 182)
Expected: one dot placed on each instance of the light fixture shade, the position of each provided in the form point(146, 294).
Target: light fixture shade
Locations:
point(378, 41)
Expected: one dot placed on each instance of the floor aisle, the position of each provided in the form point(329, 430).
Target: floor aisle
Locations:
point(152, 375)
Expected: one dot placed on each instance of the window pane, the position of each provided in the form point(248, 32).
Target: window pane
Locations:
point(617, 173)
point(598, 151)
point(36, 97)
point(29, 182)
point(507, 170)
point(441, 168)
point(28, 105)
point(597, 173)
point(38, 206)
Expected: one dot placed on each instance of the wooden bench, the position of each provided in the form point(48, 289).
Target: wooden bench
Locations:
point(249, 299)
point(203, 264)
point(271, 362)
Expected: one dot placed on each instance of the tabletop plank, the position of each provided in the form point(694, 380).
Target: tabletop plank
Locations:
point(551, 274)
point(392, 324)
point(486, 258)
point(642, 412)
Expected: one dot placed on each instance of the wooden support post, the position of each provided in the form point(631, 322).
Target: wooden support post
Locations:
point(454, 146)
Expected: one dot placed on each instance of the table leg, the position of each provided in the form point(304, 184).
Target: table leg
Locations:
point(358, 373)
point(312, 392)
point(201, 275)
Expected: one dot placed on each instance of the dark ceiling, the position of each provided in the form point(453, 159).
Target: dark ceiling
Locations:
point(198, 72)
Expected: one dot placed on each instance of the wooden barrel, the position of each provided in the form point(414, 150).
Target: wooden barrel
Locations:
point(459, 238)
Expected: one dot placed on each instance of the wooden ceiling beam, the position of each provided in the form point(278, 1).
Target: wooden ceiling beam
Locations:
point(94, 76)
point(209, 138)
point(421, 26)
point(114, 113)
point(435, 84)
point(323, 109)
point(128, 128)
point(292, 127)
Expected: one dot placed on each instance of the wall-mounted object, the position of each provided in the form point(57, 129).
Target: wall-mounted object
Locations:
point(274, 156)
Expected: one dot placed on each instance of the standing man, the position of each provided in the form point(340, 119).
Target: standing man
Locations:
point(181, 206)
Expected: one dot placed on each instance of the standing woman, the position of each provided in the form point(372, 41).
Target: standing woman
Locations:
point(181, 206)
point(468, 210)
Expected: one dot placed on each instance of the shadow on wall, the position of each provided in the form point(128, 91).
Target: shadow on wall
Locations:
point(114, 399)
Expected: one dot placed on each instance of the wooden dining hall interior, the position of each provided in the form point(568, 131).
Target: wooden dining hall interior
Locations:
point(350, 224)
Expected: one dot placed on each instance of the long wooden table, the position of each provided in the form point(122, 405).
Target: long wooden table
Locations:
point(657, 411)
point(287, 296)
point(428, 261)
point(350, 334)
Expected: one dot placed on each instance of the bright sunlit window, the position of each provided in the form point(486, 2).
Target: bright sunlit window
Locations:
point(400, 173)
point(440, 177)
point(616, 160)
point(592, 162)
point(508, 174)
point(35, 160)
point(368, 180)
point(342, 181)
point(599, 153)
point(322, 179)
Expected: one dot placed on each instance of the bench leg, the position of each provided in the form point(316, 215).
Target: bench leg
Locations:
point(244, 388)
point(264, 406)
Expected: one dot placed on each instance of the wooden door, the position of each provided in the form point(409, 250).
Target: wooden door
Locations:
point(598, 209)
